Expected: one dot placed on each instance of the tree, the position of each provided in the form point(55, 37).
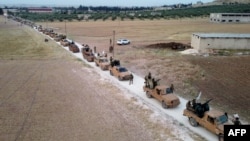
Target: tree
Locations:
point(1, 11)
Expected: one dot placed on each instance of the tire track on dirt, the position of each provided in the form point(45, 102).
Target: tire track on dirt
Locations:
point(21, 130)
point(113, 113)
point(16, 90)
point(6, 75)
point(9, 73)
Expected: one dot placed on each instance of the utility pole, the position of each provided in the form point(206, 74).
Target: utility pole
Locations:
point(113, 43)
point(65, 28)
point(46, 22)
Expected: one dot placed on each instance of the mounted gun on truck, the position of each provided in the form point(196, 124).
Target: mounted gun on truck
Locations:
point(200, 114)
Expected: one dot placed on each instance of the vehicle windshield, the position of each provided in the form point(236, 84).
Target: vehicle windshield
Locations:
point(221, 119)
point(122, 69)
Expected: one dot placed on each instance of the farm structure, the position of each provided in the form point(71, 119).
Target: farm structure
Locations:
point(203, 42)
point(40, 10)
point(230, 17)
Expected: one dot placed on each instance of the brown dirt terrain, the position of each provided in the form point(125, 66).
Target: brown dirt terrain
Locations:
point(47, 94)
point(223, 78)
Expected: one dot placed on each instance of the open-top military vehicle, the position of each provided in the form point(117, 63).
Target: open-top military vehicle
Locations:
point(102, 62)
point(200, 114)
point(162, 93)
point(119, 71)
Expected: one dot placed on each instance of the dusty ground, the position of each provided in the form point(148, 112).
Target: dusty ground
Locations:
point(47, 94)
point(223, 78)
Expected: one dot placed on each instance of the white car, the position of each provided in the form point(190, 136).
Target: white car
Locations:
point(123, 42)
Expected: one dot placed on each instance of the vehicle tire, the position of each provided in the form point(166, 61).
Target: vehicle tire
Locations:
point(148, 94)
point(164, 105)
point(220, 137)
point(111, 73)
point(193, 122)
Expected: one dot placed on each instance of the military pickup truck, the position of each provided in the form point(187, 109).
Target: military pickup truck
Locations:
point(102, 62)
point(74, 48)
point(162, 93)
point(64, 42)
point(119, 71)
point(212, 120)
point(168, 100)
point(88, 54)
point(59, 37)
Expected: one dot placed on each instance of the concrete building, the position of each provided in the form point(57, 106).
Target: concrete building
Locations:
point(203, 42)
point(230, 17)
point(40, 10)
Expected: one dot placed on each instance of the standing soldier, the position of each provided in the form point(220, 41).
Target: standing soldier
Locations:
point(170, 89)
point(236, 120)
point(110, 46)
point(131, 79)
point(110, 49)
point(94, 49)
point(110, 59)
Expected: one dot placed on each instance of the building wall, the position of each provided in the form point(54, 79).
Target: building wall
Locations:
point(230, 17)
point(195, 42)
point(40, 10)
point(203, 44)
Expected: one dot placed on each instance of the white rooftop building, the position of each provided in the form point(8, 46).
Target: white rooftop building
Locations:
point(230, 17)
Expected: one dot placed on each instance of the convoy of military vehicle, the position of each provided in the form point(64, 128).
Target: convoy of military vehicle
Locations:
point(197, 113)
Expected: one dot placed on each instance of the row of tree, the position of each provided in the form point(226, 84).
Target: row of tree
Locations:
point(148, 13)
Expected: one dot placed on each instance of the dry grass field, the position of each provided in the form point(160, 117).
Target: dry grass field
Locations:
point(226, 79)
